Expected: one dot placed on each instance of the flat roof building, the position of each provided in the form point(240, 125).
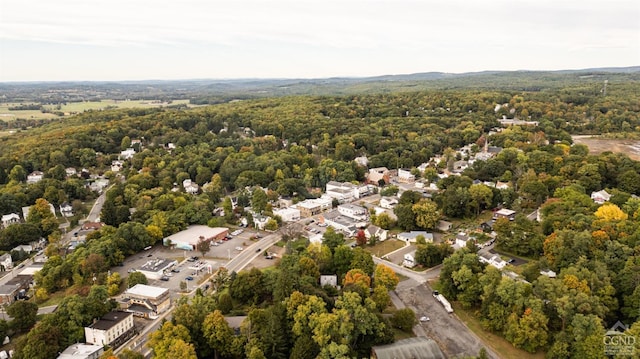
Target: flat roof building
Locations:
point(189, 238)
point(146, 301)
point(82, 351)
point(155, 268)
point(412, 348)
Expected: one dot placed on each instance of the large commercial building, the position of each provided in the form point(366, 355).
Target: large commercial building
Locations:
point(82, 351)
point(113, 330)
point(146, 301)
point(189, 238)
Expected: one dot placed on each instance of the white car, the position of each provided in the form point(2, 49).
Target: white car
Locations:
point(239, 248)
point(424, 319)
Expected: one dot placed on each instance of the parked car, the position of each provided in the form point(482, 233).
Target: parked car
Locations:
point(189, 278)
point(424, 319)
point(175, 270)
point(257, 250)
point(164, 278)
point(239, 248)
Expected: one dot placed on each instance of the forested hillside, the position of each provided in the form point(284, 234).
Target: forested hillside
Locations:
point(293, 146)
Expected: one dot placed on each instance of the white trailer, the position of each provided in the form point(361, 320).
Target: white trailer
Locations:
point(445, 303)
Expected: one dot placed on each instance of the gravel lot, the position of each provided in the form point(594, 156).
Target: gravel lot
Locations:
point(453, 337)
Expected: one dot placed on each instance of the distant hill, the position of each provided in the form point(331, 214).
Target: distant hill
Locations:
point(222, 90)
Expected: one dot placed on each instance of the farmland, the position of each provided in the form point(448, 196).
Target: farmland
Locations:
point(599, 145)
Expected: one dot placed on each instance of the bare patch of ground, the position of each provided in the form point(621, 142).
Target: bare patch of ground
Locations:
point(598, 145)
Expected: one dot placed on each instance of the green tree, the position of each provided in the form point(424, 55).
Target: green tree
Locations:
point(172, 341)
point(381, 297)
point(362, 260)
point(218, 334)
point(40, 215)
point(136, 278)
point(481, 197)
point(404, 319)
point(259, 200)
point(24, 315)
point(426, 214)
point(203, 246)
point(225, 303)
point(385, 277)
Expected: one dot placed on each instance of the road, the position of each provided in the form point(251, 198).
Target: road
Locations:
point(420, 277)
point(239, 262)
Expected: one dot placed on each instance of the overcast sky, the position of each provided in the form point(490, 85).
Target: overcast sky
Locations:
point(45, 40)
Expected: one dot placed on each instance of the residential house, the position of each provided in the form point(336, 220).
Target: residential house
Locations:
point(549, 273)
point(9, 219)
point(27, 248)
point(66, 209)
point(260, 221)
point(409, 260)
point(411, 237)
point(6, 262)
point(91, 226)
point(462, 239)
point(116, 166)
point(600, 197)
point(405, 176)
point(190, 187)
point(388, 202)
point(492, 260)
point(377, 174)
point(505, 213)
point(113, 330)
point(127, 154)
point(35, 177)
point(26, 209)
point(377, 232)
point(71, 172)
point(329, 279)
point(362, 161)
point(444, 226)
point(460, 166)
point(502, 185)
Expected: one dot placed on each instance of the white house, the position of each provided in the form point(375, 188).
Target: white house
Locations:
point(409, 261)
point(9, 219)
point(27, 248)
point(462, 239)
point(502, 185)
point(288, 214)
point(70, 171)
point(113, 329)
point(413, 235)
point(388, 202)
point(66, 209)
point(375, 231)
point(362, 161)
point(116, 166)
point(600, 197)
point(259, 221)
point(549, 273)
point(329, 279)
point(127, 154)
point(34, 177)
point(190, 187)
point(6, 263)
point(405, 176)
point(505, 213)
point(492, 260)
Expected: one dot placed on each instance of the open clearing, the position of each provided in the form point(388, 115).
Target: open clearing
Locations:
point(598, 145)
point(72, 108)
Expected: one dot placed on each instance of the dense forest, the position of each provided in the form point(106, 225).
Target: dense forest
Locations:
point(292, 146)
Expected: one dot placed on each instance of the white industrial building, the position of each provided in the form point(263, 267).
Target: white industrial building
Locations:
point(288, 214)
point(155, 268)
point(189, 238)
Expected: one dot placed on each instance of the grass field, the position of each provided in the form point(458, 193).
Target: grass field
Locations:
point(503, 348)
point(79, 107)
point(382, 248)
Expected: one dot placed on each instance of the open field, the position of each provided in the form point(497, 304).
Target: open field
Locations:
point(382, 248)
point(497, 343)
point(598, 145)
point(78, 107)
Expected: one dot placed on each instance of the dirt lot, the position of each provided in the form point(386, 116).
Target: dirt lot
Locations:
point(598, 145)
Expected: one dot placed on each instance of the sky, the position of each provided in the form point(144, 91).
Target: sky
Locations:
point(115, 40)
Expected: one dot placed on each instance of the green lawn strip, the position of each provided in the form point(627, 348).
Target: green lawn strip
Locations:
point(498, 344)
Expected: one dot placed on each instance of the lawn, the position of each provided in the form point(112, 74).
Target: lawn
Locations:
point(382, 248)
point(498, 344)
